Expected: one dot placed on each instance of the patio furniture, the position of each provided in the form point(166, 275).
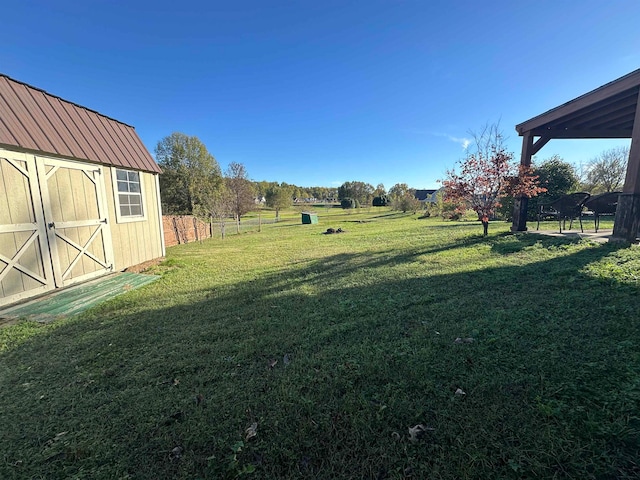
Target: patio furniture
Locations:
point(603, 204)
point(567, 207)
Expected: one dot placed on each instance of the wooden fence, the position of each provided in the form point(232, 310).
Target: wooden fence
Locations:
point(179, 229)
point(184, 229)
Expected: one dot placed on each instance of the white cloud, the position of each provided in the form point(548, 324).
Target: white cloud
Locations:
point(464, 142)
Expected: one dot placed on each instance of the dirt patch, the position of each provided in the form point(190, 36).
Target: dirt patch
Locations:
point(144, 266)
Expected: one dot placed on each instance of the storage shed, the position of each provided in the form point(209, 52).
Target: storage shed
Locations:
point(309, 218)
point(79, 194)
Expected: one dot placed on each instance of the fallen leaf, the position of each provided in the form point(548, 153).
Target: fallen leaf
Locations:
point(286, 360)
point(176, 382)
point(57, 437)
point(251, 431)
point(176, 453)
point(417, 432)
point(463, 340)
point(459, 391)
point(273, 363)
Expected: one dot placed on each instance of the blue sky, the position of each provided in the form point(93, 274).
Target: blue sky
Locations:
point(319, 93)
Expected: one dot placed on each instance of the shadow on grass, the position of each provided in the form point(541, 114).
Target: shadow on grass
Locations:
point(334, 361)
point(392, 215)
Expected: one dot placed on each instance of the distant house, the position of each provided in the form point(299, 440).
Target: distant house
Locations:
point(79, 194)
point(426, 196)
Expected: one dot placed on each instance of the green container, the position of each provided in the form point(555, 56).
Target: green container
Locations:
point(309, 218)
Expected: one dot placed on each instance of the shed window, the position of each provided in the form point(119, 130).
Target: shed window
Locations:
point(129, 195)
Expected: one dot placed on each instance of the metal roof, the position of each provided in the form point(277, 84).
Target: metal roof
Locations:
point(35, 120)
point(606, 112)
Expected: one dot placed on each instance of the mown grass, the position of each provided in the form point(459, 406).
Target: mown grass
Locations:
point(333, 346)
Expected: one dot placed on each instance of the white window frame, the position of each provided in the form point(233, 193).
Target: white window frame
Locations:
point(128, 218)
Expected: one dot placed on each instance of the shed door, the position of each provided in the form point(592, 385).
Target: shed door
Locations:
point(25, 267)
point(76, 220)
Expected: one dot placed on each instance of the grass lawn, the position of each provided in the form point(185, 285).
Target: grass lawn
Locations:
point(293, 354)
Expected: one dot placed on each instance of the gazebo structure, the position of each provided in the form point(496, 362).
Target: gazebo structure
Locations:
point(610, 111)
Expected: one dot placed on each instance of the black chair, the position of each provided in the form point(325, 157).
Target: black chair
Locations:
point(564, 208)
point(603, 204)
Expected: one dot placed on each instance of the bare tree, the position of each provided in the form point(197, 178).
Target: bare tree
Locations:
point(217, 206)
point(606, 172)
point(241, 189)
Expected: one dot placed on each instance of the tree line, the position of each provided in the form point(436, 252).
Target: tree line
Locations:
point(485, 180)
point(192, 183)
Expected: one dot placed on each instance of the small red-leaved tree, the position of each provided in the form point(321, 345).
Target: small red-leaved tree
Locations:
point(487, 174)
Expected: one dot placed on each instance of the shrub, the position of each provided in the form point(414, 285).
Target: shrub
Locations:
point(348, 203)
point(381, 201)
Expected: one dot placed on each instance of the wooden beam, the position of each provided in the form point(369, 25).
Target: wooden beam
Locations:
point(603, 118)
point(632, 179)
point(579, 133)
point(615, 107)
point(629, 81)
point(527, 150)
point(622, 122)
point(520, 204)
point(627, 222)
point(538, 144)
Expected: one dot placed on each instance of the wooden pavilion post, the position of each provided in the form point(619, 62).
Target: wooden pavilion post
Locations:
point(521, 203)
point(627, 222)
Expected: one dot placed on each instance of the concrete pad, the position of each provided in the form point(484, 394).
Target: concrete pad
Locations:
point(75, 299)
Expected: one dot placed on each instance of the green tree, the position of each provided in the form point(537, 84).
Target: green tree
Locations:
point(380, 191)
point(447, 209)
point(556, 175)
point(279, 197)
point(359, 191)
point(262, 187)
point(189, 172)
point(406, 203)
point(399, 190)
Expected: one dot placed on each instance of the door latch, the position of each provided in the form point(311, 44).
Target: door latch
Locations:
point(51, 225)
